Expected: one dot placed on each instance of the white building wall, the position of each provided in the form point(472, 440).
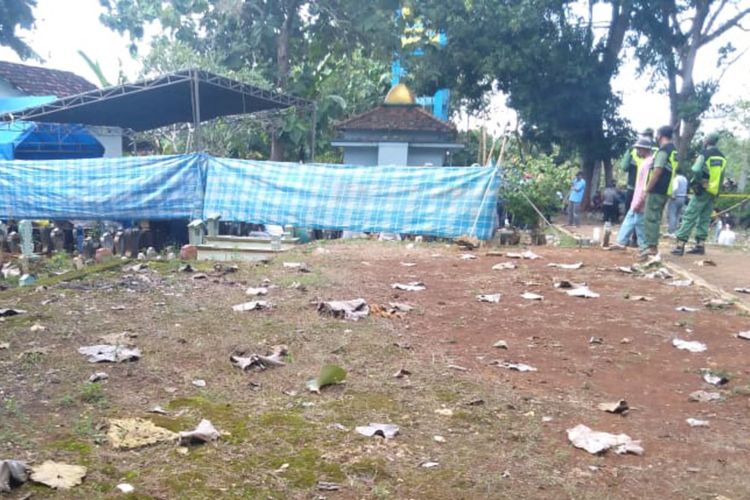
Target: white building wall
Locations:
point(361, 156)
point(393, 153)
point(110, 138)
point(419, 157)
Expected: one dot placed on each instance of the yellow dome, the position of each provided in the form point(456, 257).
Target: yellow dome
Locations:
point(400, 94)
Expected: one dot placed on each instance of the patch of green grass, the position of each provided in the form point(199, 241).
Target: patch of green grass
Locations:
point(223, 415)
point(367, 468)
point(305, 467)
point(311, 279)
point(93, 393)
point(72, 445)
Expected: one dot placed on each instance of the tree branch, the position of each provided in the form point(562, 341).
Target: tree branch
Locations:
point(726, 26)
point(712, 20)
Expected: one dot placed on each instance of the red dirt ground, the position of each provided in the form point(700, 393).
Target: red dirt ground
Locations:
point(553, 335)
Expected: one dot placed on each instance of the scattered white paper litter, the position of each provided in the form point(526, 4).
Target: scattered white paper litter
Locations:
point(387, 431)
point(519, 367)
point(686, 309)
point(583, 292)
point(468, 256)
point(493, 298)
point(596, 442)
point(532, 296)
point(689, 345)
point(255, 292)
point(251, 306)
point(414, 286)
point(680, 283)
point(577, 265)
point(203, 433)
point(504, 265)
point(103, 353)
point(744, 335)
point(125, 488)
point(694, 422)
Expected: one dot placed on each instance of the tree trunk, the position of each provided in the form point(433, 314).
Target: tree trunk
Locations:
point(588, 163)
point(742, 181)
point(608, 174)
point(689, 128)
point(282, 79)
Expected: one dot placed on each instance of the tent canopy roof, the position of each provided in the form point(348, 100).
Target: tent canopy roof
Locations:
point(160, 101)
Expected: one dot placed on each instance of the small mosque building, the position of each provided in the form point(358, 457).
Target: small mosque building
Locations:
point(398, 132)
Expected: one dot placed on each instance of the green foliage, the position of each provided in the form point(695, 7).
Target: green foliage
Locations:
point(539, 178)
point(544, 56)
point(335, 52)
point(16, 14)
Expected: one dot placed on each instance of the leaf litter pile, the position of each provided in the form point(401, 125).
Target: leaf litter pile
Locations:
point(359, 376)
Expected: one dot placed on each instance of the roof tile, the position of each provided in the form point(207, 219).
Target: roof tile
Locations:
point(36, 81)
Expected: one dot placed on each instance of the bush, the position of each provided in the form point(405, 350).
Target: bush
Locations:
point(540, 179)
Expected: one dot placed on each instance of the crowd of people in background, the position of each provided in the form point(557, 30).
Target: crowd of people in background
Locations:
point(655, 185)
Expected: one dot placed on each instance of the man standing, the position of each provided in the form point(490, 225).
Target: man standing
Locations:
point(575, 199)
point(631, 163)
point(659, 188)
point(676, 203)
point(633, 221)
point(707, 177)
point(609, 203)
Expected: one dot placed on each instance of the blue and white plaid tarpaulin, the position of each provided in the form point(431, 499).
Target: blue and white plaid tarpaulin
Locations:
point(437, 201)
point(145, 187)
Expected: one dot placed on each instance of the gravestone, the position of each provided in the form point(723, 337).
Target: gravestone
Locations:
point(14, 242)
point(88, 248)
point(107, 241)
point(45, 241)
point(132, 242)
point(57, 238)
point(212, 225)
point(26, 231)
point(195, 232)
point(79, 237)
point(119, 243)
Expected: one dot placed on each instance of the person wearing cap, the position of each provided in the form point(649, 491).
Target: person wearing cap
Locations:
point(631, 161)
point(633, 223)
point(707, 177)
point(659, 188)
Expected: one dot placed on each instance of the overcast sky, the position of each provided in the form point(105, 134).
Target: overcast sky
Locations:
point(64, 27)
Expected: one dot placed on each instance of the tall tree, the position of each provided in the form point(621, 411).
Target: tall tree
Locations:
point(15, 14)
point(276, 38)
point(670, 33)
point(553, 62)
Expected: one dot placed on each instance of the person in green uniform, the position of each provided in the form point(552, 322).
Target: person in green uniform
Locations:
point(707, 177)
point(659, 188)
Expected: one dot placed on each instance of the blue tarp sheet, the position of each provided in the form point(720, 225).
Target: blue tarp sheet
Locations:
point(438, 201)
point(11, 135)
point(21, 140)
point(148, 187)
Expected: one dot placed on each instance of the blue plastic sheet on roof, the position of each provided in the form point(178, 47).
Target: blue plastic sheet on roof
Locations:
point(437, 201)
point(14, 104)
point(11, 134)
point(47, 141)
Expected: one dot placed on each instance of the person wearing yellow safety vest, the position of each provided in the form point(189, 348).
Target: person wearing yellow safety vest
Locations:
point(707, 177)
point(659, 189)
